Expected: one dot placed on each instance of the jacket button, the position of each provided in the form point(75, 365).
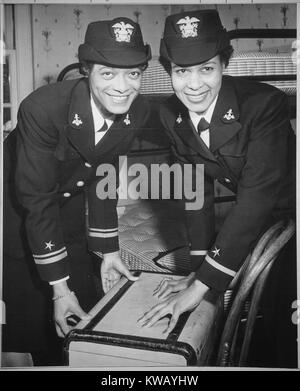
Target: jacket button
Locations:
point(87, 164)
point(227, 180)
point(80, 183)
point(67, 194)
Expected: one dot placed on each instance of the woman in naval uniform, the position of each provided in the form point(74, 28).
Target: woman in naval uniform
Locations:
point(240, 131)
point(53, 159)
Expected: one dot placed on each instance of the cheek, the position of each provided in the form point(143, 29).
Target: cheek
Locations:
point(214, 83)
point(97, 86)
point(136, 84)
point(177, 84)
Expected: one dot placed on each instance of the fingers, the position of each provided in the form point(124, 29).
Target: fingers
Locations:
point(58, 331)
point(172, 322)
point(62, 328)
point(162, 286)
point(108, 281)
point(168, 286)
point(81, 314)
point(154, 315)
point(158, 312)
point(63, 309)
point(122, 269)
point(105, 284)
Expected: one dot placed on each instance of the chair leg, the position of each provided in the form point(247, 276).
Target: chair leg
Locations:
point(257, 292)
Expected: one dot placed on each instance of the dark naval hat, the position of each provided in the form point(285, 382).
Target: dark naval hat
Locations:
point(116, 43)
point(193, 37)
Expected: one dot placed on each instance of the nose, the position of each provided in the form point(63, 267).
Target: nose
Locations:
point(121, 84)
point(195, 81)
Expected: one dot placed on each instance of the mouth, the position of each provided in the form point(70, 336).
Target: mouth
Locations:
point(197, 97)
point(119, 99)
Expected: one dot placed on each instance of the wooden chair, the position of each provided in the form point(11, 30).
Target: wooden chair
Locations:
point(247, 287)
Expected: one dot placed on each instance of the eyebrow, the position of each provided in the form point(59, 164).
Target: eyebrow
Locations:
point(202, 64)
point(111, 68)
point(208, 62)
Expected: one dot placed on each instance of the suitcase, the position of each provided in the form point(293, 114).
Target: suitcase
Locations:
point(114, 338)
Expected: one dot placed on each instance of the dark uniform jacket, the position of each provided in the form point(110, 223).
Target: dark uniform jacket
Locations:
point(56, 158)
point(252, 153)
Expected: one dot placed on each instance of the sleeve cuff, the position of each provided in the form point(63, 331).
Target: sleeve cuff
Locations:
point(214, 274)
point(53, 267)
point(103, 245)
point(57, 281)
point(197, 258)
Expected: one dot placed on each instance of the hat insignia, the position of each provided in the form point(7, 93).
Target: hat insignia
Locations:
point(179, 118)
point(188, 26)
point(229, 115)
point(127, 120)
point(123, 31)
point(77, 121)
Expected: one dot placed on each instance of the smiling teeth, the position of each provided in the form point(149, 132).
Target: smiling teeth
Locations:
point(119, 99)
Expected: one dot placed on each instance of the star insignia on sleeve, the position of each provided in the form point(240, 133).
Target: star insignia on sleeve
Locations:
point(127, 120)
point(77, 120)
point(49, 245)
point(216, 251)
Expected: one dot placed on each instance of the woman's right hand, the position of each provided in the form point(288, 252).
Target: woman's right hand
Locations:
point(66, 305)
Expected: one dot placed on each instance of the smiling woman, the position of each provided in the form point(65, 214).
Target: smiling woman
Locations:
point(114, 89)
point(240, 131)
point(197, 86)
point(53, 153)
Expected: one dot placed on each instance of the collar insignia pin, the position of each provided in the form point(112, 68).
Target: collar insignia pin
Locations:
point(229, 115)
point(127, 120)
point(49, 245)
point(77, 120)
point(216, 251)
point(179, 119)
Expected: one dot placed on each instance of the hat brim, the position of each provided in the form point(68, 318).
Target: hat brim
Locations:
point(123, 57)
point(190, 54)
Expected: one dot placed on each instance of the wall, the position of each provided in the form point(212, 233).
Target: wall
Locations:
point(59, 29)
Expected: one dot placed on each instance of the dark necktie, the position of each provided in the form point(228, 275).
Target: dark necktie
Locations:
point(104, 127)
point(202, 125)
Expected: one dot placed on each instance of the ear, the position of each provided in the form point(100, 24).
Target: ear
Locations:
point(85, 69)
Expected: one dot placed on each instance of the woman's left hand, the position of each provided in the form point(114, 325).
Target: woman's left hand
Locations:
point(168, 285)
point(185, 300)
point(112, 269)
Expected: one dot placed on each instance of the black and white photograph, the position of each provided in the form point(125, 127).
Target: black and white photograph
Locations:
point(148, 187)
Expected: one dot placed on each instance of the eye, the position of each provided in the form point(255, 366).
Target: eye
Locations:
point(207, 69)
point(181, 71)
point(135, 74)
point(107, 75)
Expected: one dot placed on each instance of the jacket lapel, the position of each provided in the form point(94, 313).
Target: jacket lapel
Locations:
point(119, 130)
point(80, 128)
point(224, 124)
point(184, 129)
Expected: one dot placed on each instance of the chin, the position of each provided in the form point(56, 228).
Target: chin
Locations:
point(119, 110)
point(198, 108)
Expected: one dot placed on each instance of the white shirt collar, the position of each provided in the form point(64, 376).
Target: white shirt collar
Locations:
point(98, 118)
point(207, 115)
